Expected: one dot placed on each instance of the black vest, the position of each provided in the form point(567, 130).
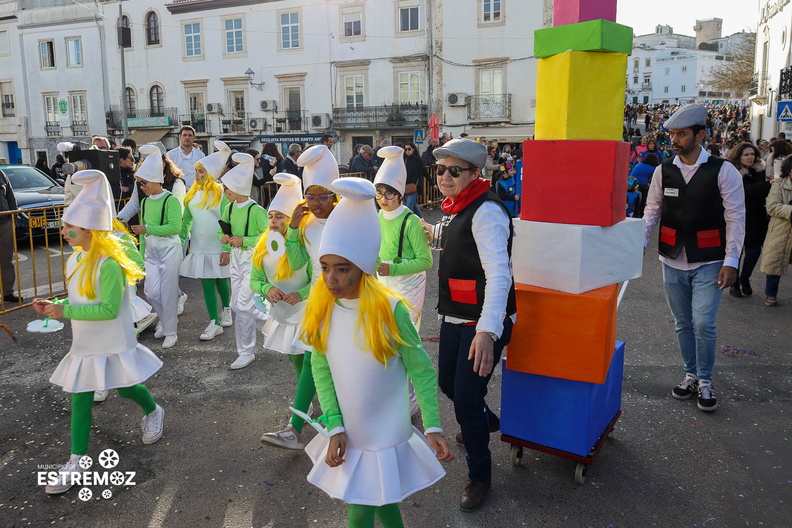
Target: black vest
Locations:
point(693, 213)
point(462, 279)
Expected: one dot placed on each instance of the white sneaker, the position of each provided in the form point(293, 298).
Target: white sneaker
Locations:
point(242, 361)
point(225, 318)
point(212, 331)
point(145, 322)
point(287, 438)
point(152, 425)
point(65, 476)
point(101, 395)
point(158, 332)
point(170, 341)
point(182, 301)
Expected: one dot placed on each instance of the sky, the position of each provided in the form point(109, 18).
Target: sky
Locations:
point(644, 15)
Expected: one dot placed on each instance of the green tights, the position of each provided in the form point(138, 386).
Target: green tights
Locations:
point(82, 416)
point(360, 516)
point(306, 389)
point(222, 287)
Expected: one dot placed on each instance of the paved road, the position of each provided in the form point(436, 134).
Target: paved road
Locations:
point(667, 464)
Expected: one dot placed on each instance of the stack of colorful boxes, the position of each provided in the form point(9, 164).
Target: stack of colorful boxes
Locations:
point(573, 246)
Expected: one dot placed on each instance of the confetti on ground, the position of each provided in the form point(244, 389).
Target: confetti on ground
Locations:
point(737, 352)
point(433, 339)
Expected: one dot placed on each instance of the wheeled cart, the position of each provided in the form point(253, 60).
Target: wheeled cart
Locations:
point(583, 462)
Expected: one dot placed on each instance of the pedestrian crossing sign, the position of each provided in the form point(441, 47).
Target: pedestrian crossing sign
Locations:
point(784, 112)
point(418, 136)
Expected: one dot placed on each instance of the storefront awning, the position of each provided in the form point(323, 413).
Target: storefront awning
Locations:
point(149, 135)
point(515, 134)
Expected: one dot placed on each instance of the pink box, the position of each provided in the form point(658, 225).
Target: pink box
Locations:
point(574, 11)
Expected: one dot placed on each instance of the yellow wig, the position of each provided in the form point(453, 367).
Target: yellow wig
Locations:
point(381, 335)
point(283, 271)
point(212, 191)
point(103, 244)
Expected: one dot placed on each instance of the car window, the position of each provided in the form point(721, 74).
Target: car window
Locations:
point(22, 178)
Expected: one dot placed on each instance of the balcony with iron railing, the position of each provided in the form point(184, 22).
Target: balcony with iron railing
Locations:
point(785, 84)
point(404, 115)
point(52, 128)
point(199, 121)
point(290, 121)
point(8, 110)
point(80, 128)
point(235, 123)
point(646, 86)
point(488, 108)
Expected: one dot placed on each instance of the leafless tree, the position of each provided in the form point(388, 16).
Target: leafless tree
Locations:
point(734, 74)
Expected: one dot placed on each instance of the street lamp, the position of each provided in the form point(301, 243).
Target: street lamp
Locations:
point(250, 75)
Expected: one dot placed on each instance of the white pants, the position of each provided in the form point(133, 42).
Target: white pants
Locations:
point(163, 258)
point(248, 319)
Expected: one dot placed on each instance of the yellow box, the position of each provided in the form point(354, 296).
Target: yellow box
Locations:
point(580, 95)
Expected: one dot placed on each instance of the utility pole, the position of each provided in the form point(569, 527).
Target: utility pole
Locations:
point(123, 71)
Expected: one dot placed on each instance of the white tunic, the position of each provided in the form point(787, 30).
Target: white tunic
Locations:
point(387, 459)
point(203, 260)
point(104, 354)
point(284, 322)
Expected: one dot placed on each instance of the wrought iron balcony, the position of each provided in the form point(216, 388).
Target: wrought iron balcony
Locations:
point(391, 116)
point(8, 109)
point(290, 121)
point(785, 85)
point(496, 107)
point(646, 86)
point(235, 123)
point(754, 89)
point(80, 128)
point(53, 128)
point(197, 120)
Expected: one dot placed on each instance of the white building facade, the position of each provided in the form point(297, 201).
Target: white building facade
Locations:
point(250, 71)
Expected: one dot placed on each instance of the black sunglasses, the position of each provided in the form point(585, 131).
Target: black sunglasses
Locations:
point(455, 171)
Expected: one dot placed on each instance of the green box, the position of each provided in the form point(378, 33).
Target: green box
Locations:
point(594, 35)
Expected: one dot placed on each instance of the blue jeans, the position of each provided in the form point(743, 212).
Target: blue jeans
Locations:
point(694, 297)
point(411, 203)
point(771, 285)
point(467, 390)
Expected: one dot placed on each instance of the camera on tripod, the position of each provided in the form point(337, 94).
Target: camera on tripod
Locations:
point(103, 160)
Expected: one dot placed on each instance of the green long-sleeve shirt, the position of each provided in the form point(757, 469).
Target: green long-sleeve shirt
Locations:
point(112, 284)
point(416, 253)
point(151, 216)
point(259, 282)
point(295, 250)
point(239, 219)
point(417, 363)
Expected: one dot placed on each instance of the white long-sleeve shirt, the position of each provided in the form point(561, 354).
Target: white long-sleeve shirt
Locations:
point(186, 162)
point(731, 191)
point(491, 233)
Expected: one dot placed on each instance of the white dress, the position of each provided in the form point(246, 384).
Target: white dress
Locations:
point(203, 260)
point(104, 354)
point(281, 329)
point(387, 459)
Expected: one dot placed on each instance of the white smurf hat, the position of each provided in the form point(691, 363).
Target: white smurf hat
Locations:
point(392, 172)
point(352, 230)
point(289, 193)
point(240, 178)
point(320, 167)
point(93, 207)
point(214, 163)
point(151, 168)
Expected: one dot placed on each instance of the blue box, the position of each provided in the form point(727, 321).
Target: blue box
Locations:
point(562, 414)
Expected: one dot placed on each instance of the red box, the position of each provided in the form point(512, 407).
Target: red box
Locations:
point(575, 182)
point(574, 11)
point(562, 335)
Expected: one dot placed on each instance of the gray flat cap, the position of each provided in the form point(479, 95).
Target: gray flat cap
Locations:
point(687, 116)
point(465, 149)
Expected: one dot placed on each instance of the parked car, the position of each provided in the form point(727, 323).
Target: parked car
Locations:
point(33, 190)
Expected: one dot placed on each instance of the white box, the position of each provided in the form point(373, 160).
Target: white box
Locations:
point(577, 258)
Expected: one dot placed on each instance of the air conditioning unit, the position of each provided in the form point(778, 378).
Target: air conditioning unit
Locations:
point(269, 106)
point(320, 121)
point(214, 108)
point(457, 99)
point(258, 123)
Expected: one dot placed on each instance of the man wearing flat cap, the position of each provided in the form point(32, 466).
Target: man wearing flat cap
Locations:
point(699, 203)
point(476, 301)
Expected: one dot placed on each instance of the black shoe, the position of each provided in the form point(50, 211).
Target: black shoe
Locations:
point(10, 297)
point(685, 390)
point(734, 291)
point(745, 284)
point(706, 397)
point(474, 495)
point(494, 425)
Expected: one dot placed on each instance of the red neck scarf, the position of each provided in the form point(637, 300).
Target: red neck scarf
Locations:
point(456, 204)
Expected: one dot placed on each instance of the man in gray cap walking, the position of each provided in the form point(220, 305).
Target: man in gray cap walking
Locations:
point(476, 301)
point(699, 202)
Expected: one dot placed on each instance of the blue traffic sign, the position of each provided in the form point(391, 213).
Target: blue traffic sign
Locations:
point(418, 136)
point(784, 111)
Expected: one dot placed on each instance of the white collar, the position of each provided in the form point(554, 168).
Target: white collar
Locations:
point(390, 215)
point(243, 204)
point(703, 157)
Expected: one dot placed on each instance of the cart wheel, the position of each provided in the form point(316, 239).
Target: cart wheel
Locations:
point(515, 455)
point(580, 473)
